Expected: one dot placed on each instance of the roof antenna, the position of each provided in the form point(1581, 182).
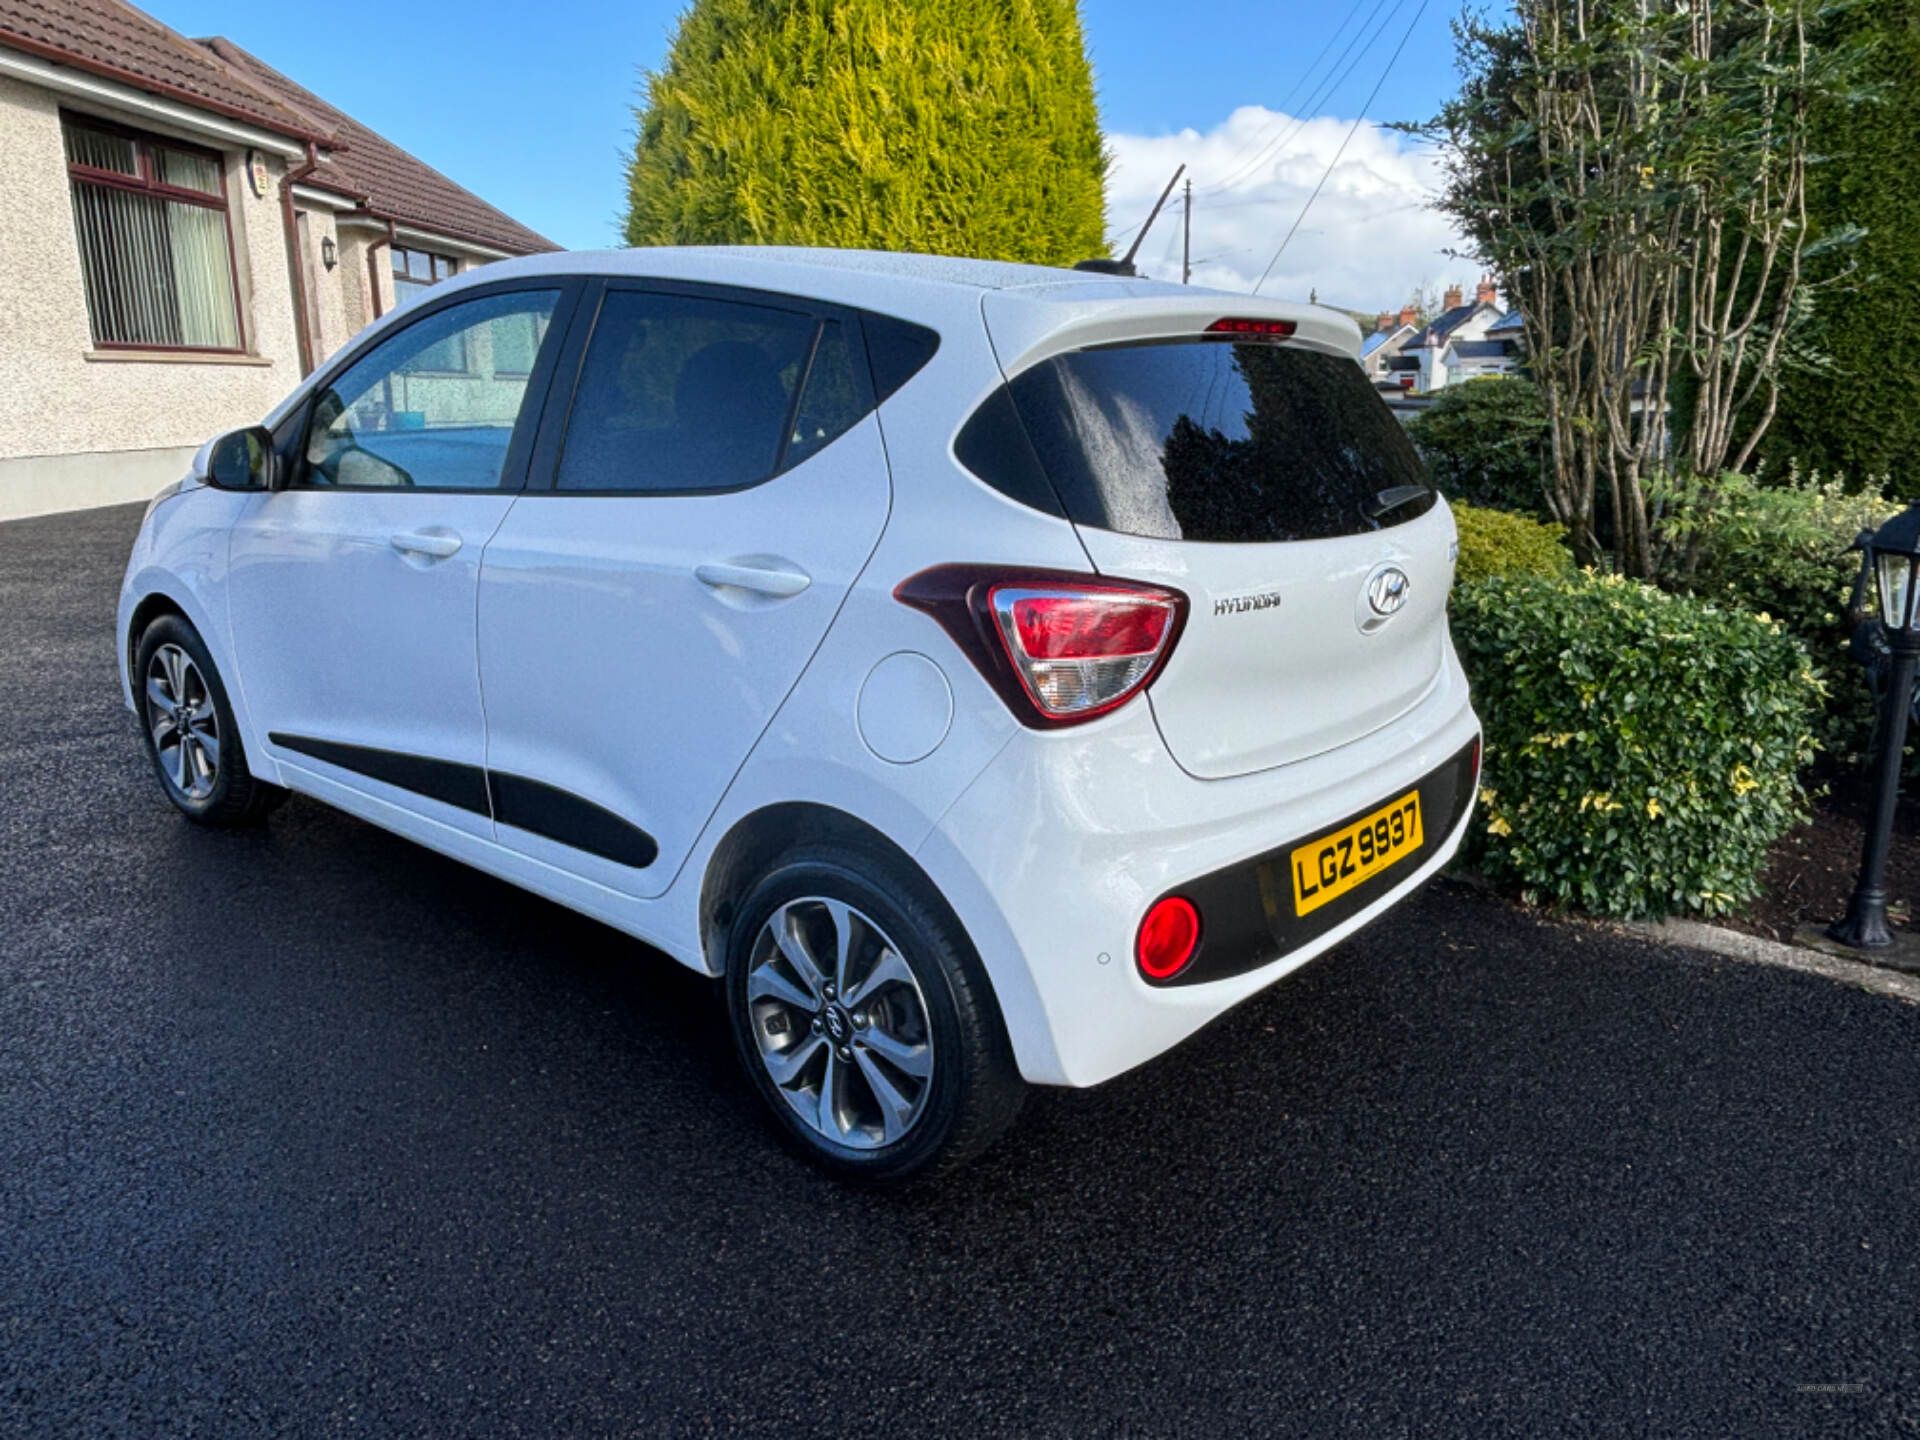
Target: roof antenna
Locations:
point(1124, 265)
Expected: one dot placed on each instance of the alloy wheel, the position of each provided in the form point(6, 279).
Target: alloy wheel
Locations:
point(183, 723)
point(840, 1022)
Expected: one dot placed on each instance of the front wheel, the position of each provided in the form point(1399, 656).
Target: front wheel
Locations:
point(865, 1020)
point(190, 733)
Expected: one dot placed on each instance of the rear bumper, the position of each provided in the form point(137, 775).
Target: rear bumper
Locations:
point(1056, 851)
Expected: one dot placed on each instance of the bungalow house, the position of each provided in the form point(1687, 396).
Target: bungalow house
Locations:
point(187, 232)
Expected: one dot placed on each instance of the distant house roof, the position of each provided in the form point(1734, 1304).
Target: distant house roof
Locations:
point(120, 43)
point(1512, 320)
point(1377, 338)
point(1436, 330)
point(372, 169)
point(1482, 349)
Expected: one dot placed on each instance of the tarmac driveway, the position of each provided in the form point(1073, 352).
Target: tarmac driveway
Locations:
point(311, 1131)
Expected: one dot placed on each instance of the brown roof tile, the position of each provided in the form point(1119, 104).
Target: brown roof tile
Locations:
point(114, 39)
point(372, 167)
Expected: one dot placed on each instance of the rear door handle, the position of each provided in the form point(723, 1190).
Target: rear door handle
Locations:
point(762, 581)
point(419, 542)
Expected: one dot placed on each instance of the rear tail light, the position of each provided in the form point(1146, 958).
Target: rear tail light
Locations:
point(1060, 648)
point(1169, 936)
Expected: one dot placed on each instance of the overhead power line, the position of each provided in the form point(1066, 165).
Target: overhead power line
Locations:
point(1328, 87)
point(1281, 113)
point(1351, 130)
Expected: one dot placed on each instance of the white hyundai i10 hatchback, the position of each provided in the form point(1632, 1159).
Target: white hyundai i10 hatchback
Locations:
point(994, 673)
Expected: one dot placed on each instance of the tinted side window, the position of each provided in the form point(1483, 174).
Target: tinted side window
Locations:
point(434, 406)
point(1206, 440)
point(833, 399)
point(680, 392)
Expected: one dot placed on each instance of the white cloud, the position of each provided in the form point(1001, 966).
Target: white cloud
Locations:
point(1368, 242)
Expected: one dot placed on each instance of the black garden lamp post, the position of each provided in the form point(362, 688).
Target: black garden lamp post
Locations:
point(1890, 569)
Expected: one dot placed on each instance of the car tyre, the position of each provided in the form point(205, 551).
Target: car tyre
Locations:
point(191, 738)
point(883, 1055)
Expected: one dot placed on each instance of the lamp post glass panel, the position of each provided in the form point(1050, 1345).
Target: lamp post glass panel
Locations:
point(1891, 564)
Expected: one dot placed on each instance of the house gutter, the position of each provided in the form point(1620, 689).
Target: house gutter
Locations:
point(373, 267)
point(295, 270)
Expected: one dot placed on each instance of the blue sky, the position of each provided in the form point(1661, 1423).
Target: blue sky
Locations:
point(529, 104)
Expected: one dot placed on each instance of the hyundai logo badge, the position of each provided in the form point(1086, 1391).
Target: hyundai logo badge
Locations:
point(1387, 590)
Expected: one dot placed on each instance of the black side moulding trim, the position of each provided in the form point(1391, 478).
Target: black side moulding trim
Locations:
point(563, 817)
point(447, 781)
point(530, 805)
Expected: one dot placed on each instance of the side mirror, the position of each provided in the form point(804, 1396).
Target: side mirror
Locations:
point(238, 460)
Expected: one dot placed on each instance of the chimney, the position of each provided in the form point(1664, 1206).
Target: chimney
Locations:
point(1385, 322)
point(1409, 314)
point(1451, 300)
point(1487, 294)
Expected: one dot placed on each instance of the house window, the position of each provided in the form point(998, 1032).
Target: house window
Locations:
point(151, 218)
point(415, 270)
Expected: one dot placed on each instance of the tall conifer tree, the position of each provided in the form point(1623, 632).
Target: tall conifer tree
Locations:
point(945, 126)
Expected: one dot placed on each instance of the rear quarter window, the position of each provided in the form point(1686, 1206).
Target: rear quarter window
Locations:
point(1208, 440)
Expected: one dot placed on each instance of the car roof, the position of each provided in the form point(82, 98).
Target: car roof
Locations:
point(937, 290)
point(1032, 310)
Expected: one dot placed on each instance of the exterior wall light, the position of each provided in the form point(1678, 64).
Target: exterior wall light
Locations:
point(1890, 566)
point(329, 252)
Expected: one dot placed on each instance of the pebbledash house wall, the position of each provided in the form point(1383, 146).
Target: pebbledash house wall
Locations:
point(82, 426)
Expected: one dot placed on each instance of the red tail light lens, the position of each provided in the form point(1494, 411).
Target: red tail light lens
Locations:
point(1080, 652)
point(1168, 938)
point(1060, 648)
point(1274, 329)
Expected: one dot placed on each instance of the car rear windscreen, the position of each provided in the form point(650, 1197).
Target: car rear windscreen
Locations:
point(1216, 441)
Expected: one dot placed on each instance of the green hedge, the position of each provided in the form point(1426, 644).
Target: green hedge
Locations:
point(1779, 549)
point(1643, 750)
point(1494, 542)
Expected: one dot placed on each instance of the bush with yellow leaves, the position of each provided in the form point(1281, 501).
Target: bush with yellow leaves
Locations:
point(1643, 750)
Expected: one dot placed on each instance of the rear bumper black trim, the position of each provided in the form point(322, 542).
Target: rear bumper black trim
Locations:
point(530, 805)
point(1246, 909)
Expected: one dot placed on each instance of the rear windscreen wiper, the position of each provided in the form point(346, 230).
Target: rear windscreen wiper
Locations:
point(1388, 501)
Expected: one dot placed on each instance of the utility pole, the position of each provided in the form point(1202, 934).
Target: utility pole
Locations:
point(1186, 240)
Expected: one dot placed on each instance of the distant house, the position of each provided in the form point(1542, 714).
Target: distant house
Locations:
point(1434, 359)
point(1391, 335)
point(187, 232)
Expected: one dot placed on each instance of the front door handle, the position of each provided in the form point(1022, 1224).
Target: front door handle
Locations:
point(421, 542)
point(779, 583)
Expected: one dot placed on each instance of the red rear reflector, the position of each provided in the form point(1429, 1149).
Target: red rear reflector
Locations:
point(1079, 627)
point(1168, 937)
point(1276, 328)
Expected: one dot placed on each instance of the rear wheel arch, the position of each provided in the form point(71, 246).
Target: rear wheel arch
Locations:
point(758, 839)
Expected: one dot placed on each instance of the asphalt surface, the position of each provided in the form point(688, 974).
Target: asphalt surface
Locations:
point(310, 1131)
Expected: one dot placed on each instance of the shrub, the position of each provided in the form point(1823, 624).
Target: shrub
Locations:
point(1643, 750)
point(1486, 442)
point(1780, 550)
point(965, 127)
point(1494, 542)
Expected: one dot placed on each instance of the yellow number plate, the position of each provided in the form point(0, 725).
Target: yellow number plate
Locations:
point(1328, 868)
